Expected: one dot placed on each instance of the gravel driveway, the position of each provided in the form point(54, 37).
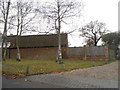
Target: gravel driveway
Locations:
point(109, 72)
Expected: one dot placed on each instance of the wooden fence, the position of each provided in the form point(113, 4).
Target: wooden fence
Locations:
point(91, 53)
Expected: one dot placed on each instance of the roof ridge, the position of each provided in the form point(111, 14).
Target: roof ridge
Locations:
point(35, 35)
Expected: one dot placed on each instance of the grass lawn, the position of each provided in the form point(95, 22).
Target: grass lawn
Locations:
point(13, 67)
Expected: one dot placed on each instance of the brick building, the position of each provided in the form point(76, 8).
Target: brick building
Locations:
point(37, 46)
point(46, 47)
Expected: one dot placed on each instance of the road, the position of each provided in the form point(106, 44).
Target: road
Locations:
point(58, 81)
point(107, 72)
point(22, 83)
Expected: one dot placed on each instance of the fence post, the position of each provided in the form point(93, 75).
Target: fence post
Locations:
point(85, 52)
point(107, 52)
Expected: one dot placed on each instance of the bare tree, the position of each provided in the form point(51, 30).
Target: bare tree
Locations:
point(89, 42)
point(24, 16)
point(4, 7)
point(93, 31)
point(59, 12)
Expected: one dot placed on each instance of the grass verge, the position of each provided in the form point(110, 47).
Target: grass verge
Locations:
point(31, 67)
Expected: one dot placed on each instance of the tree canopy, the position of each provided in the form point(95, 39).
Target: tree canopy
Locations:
point(93, 31)
point(113, 42)
point(112, 38)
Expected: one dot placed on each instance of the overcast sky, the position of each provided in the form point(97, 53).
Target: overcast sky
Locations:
point(102, 10)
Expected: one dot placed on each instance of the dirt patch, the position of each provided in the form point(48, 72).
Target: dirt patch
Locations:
point(13, 76)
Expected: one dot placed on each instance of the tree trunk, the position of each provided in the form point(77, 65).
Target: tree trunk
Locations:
point(17, 42)
point(59, 36)
point(95, 40)
point(4, 37)
point(18, 50)
point(5, 51)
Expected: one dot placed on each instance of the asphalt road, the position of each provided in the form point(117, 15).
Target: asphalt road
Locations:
point(23, 83)
point(57, 81)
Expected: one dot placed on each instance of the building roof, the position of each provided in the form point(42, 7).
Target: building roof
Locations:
point(38, 41)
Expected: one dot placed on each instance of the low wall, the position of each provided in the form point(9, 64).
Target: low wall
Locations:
point(82, 53)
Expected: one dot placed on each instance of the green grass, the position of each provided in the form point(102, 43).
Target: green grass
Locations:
point(13, 67)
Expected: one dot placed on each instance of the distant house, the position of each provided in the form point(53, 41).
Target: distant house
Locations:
point(37, 46)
